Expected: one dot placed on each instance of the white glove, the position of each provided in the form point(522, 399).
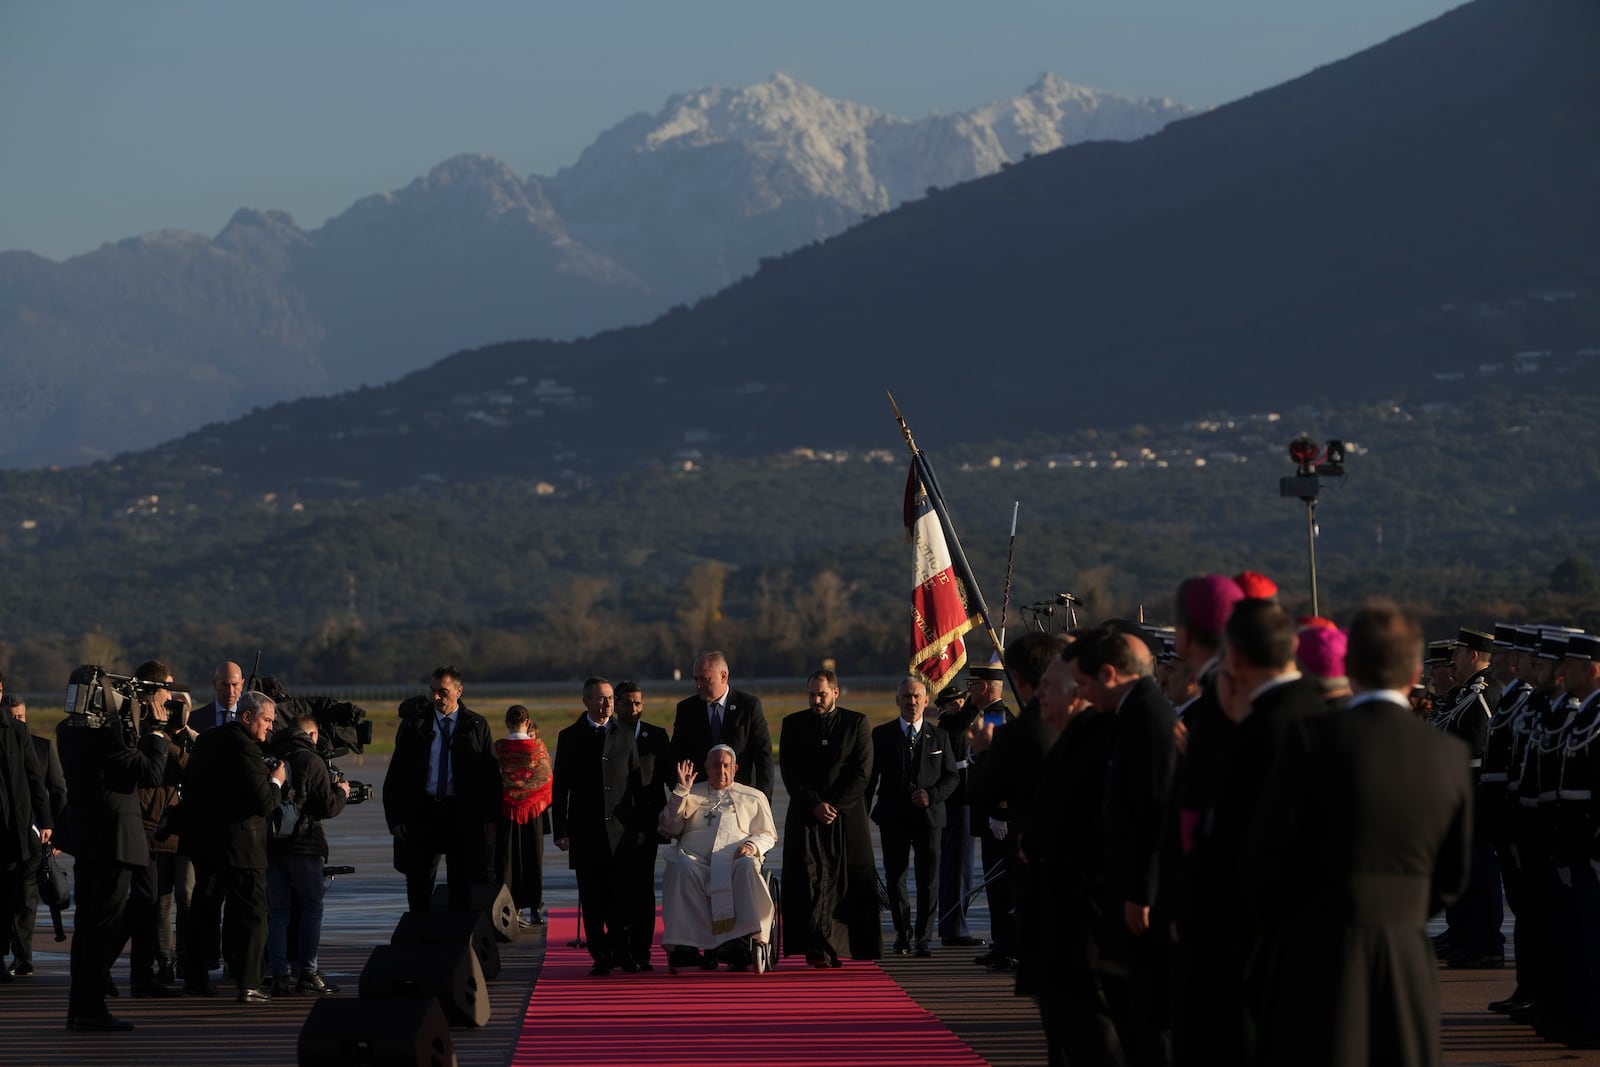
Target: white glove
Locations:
point(998, 829)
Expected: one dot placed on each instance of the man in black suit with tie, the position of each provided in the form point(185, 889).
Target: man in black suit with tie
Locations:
point(28, 899)
point(720, 715)
point(441, 796)
point(593, 818)
point(24, 805)
point(913, 771)
point(228, 792)
point(227, 682)
point(656, 776)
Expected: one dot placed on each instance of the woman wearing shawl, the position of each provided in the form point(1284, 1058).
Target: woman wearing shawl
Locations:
point(524, 820)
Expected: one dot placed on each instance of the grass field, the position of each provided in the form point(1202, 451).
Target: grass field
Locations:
point(552, 712)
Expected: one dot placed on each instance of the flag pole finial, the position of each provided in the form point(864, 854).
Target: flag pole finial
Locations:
point(905, 431)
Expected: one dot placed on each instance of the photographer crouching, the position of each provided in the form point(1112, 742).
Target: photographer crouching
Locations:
point(296, 853)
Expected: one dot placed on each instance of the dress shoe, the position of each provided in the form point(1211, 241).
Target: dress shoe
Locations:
point(923, 951)
point(983, 959)
point(962, 941)
point(645, 967)
point(1515, 1002)
point(152, 989)
point(280, 985)
point(98, 1024)
point(1002, 963)
point(199, 987)
point(167, 973)
point(820, 961)
point(628, 965)
point(600, 969)
point(22, 969)
point(111, 987)
point(253, 996)
point(312, 982)
point(902, 945)
point(708, 961)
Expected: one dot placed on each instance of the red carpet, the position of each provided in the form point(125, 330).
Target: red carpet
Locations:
point(790, 1017)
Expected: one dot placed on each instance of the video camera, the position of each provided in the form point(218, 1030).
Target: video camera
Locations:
point(96, 699)
point(359, 791)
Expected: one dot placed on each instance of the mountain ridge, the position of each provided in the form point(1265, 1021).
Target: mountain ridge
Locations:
point(467, 253)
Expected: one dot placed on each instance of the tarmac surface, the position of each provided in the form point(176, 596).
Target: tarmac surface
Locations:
point(363, 907)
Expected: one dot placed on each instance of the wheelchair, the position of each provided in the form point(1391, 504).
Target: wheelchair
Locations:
point(745, 953)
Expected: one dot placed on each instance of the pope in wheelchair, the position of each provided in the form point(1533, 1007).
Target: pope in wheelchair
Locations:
point(715, 904)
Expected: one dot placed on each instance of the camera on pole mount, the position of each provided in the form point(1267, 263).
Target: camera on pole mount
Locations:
point(1313, 462)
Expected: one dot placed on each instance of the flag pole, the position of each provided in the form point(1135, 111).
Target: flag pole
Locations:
point(1011, 552)
point(958, 556)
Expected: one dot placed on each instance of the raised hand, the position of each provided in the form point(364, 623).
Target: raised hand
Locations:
point(686, 773)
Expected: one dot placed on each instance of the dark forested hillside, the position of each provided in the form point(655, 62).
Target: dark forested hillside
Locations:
point(1486, 509)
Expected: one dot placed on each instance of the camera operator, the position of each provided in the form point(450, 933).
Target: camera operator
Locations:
point(294, 862)
point(105, 765)
point(227, 794)
point(149, 914)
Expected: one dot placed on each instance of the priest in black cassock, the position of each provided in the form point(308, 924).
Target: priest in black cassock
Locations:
point(830, 896)
point(1366, 831)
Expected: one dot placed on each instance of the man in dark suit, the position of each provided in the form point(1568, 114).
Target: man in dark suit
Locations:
point(28, 898)
point(913, 770)
point(830, 895)
point(26, 820)
point(656, 777)
point(1001, 782)
point(1114, 671)
point(104, 767)
point(1369, 833)
point(228, 791)
point(719, 715)
point(593, 818)
point(227, 682)
point(441, 796)
point(1261, 693)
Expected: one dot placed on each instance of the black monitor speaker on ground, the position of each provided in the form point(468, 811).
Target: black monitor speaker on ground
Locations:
point(470, 928)
point(404, 1032)
point(448, 973)
point(493, 900)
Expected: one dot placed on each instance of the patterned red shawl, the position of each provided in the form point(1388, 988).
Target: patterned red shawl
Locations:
point(524, 777)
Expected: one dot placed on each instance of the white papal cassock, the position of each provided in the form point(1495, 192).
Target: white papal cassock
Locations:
point(709, 895)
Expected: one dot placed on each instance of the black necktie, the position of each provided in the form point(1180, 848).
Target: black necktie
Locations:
point(716, 723)
point(444, 758)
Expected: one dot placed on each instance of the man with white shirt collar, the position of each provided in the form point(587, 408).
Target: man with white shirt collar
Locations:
point(718, 714)
point(441, 796)
point(913, 771)
point(227, 682)
point(1366, 832)
point(656, 777)
point(594, 820)
point(1261, 692)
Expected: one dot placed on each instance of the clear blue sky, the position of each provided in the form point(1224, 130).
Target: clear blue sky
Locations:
point(122, 116)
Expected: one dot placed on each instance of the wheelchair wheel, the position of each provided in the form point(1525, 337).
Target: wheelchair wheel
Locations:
point(774, 946)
